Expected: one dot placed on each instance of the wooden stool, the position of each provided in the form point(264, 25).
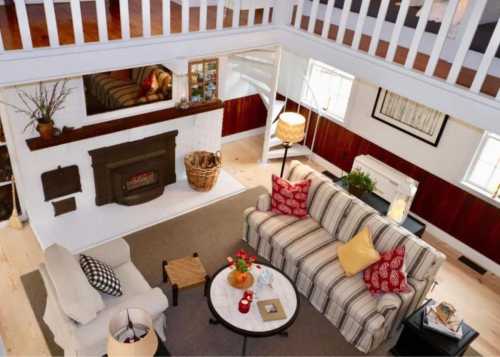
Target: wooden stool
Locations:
point(185, 273)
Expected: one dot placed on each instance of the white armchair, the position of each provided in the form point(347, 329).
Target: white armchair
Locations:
point(62, 277)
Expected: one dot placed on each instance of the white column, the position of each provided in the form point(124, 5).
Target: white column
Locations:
point(328, 19)
point(220, 14)
point(102, 22)
point(251, 13)
point(343, 21)
point(419, 31)
point(124, 20)
point(185, 16)
point(236, 13)
point(23, 22)
point(488, 56)
point(166, 17)
point(312, 16)
point(382, 12)
point(298, 13)
point(267, 11)
point(50, 16)
point(393, 46)
point(76, 18)
point(359, 25)
point(203, 15)
point(146, 18)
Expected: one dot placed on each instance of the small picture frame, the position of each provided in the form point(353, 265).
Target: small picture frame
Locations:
point(417, 120)
point(271, 310)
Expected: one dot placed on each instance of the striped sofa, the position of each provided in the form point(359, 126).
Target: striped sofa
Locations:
point(115, 93)
point(306, 250)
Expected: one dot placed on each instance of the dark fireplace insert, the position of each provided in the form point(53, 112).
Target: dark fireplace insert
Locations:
point(134, 172)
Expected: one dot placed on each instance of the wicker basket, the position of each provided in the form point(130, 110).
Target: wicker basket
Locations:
point(202, 168)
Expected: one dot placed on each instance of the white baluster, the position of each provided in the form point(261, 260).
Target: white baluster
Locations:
point(488, 56)
point(498, 95)
point(298, 14)
point(475, 16)
point(50, 16)
point(236, 13)
point(23, 22)
point(102, 22)
point(359, 25)
point(419, 31)
point(251, 13)
point(2, 48)
point(185, 16)
point(146, 18)
point(343, 21)
point(328, 19)
point(166, 17)
point(312, 16)
point(382, 12)
point(203, 15)
point(220, 14)
point(403, 11)
point(441, 37)
point(267, 11)
point(125, 20)
point(76, 18)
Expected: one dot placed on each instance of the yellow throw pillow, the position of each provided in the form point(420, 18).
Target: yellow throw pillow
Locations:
point(358, 254)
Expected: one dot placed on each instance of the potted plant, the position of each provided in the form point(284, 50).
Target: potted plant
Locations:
point(359, 182)
point(240, 277)
point(41, 106)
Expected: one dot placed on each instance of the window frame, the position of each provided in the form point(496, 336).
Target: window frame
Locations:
point(306, 103)
point(466, 179)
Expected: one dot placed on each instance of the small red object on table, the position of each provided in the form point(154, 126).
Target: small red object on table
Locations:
point(244, 306)
point(248, 294)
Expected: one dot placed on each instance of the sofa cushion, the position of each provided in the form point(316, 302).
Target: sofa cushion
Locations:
point(100, 275)
point(358, 254)
point(338, 204)
point(77, 298)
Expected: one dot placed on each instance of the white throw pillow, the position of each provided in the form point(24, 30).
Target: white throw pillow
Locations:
point(77, 298)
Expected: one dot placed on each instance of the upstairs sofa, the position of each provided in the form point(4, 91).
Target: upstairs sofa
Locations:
point(306, 250)
point(77, 314)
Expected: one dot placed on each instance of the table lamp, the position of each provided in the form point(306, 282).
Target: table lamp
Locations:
point(290, 130)
point(131, 333)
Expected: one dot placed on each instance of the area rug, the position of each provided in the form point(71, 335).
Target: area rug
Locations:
point(214, 232)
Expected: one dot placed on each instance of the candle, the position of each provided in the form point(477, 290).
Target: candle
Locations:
point(248, 294)
point(244, 306)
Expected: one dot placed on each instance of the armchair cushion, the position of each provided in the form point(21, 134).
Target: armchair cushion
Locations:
point(78, 300)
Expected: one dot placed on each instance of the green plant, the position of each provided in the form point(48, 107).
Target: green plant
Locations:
point(359, 180)
point(41, 106)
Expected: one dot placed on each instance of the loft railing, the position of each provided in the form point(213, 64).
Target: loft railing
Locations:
point(115, 20)
point(435, 55)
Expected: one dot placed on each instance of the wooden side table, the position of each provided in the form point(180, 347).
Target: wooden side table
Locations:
point(415, 340)
point(185, 273)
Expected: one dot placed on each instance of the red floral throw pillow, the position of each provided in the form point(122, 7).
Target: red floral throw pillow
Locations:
point(387, 275)
point(290, 198)
point(150, 85)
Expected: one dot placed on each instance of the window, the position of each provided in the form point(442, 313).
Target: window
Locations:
point(484, 173)
point(328, 88)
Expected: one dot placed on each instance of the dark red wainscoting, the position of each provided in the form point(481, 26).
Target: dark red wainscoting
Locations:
point(457, 212)
point(243, 114)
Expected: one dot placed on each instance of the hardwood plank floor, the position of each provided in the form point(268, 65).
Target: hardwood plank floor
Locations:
point(20, 253)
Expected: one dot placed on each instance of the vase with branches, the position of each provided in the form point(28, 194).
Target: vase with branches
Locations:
point(41, 106)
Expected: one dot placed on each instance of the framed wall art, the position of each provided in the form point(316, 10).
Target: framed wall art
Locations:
point(415, 119)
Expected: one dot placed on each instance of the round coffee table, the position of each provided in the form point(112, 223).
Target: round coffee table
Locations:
point(223, 303)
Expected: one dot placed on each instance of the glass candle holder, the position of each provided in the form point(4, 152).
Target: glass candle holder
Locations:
point(244, 306)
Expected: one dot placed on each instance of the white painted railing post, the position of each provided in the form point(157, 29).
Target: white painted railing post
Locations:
point(267, 11)
point(312, 16)
point(236, 13)
point(419, 32)
point(102, 22)
point(358, 33)
point(488, 56)
point(50, 17)
point(298, 14)
point(282, 12)
point(76, 18)
point(146, 18)
point(441, 37)
point(24, 26)
point(328, 19)
point(220, 14)
point(185, 16)
point(382, 12)
point(343, 21)
point(400, 21)
point(251, 13)
point(124, 20)
point(474, 17)
point(2, 48)
point(166, 17)
point(203, 15)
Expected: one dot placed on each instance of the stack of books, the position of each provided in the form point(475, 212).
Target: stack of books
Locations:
point(433, 320)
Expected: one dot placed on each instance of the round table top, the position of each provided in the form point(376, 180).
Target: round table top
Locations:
point(223, 301)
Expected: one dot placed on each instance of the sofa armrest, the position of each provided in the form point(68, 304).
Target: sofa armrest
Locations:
point(264, 202)
point(114, 253)
point(153, 302)
point(388, 303)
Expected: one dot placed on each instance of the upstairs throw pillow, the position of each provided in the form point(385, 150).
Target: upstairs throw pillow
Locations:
point(387, 275)
point(290, 198)
point(100, 275)
point(150, 85)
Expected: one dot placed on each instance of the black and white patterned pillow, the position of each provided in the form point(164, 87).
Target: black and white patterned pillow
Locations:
point(100, 275)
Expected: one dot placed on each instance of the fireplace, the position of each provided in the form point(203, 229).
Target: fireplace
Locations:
point(134, 172)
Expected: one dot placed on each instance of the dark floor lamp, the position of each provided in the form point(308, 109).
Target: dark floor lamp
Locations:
point(290, 130)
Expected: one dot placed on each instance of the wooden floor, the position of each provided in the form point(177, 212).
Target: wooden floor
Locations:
point(20, 253)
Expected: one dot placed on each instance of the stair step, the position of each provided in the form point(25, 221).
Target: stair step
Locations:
point(258, 84)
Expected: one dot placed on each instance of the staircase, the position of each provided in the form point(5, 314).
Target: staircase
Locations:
point(260, 68)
